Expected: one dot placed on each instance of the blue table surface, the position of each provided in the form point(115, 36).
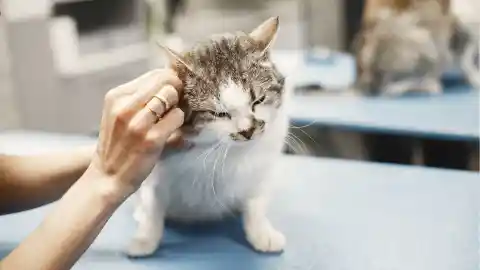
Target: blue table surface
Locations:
point(335, 214)
point(453, 115)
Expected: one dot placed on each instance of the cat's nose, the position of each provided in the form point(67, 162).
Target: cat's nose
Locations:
point(248, 133)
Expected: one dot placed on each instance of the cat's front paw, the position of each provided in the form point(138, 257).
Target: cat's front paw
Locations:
point(395, 90)
point(432, 86)
point(265, 238)
point(141, 247)
point(475, 82)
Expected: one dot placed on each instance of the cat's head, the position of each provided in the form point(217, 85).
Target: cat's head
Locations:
point(231, 86)
point(394, 48)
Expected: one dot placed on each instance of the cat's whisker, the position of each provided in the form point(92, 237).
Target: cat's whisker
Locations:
point(186, 168)
point(291, 145)
point(308, 135)
point(290, 141)
point(304, 126)
point(204, 153)
point(295, 143)
point(227, 148)
point(208, 154)
point(302, 144)
point(195, 180)
point(220, 144)
point(225, 158)
point(196, 159)
point(212, 181)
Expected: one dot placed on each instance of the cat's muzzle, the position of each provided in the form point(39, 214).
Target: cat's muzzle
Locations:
point(245, 135)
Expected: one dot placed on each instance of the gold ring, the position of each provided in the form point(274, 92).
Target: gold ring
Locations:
point(157, 117)
point(164, 101)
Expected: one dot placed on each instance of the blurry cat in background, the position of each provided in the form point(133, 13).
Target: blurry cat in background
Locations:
point(233, 97)
point(467, 25)
point(403, 46)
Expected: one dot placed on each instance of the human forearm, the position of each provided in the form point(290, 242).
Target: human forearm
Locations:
point(30, 181)
point(134, 130)
point(70, 228)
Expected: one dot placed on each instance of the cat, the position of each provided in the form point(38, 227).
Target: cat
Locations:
point(234, 110)
point(467, 24)
point(401, 50)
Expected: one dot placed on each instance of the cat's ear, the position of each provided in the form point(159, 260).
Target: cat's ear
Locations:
point(174, 59)
point(264, 35)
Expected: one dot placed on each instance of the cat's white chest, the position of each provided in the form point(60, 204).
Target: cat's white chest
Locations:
point(213, 179)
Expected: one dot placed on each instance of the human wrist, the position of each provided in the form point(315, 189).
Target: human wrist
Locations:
point(106, 187)
point(85, 154)
point(88, 151)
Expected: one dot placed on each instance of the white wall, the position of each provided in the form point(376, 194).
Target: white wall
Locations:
point(302, 22)
point(206, 17)
point(326, 23)
point(9, 117)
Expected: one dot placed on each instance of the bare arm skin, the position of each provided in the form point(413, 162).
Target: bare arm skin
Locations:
point(27, 182)
point(134, 130)
point(70, 228)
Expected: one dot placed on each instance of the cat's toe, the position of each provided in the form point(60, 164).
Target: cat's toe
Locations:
point(394, 90)
point(433, 87)
point(266, 239)
point(139, 248)
point(475, 82)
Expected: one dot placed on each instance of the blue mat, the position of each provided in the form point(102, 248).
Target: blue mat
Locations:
point(453, 115)
point(335, 214)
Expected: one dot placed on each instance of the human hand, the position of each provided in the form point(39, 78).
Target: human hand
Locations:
point(132, 135)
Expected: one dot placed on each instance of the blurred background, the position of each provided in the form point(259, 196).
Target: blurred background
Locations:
point(58, 58)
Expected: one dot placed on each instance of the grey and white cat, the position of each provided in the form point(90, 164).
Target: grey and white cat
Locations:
point(467, 22)
point(404, 50)
point(233, 99)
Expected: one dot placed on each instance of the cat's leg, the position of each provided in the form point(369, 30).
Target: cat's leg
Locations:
point(149, 215)
point(401, 87)
point(431, 85)
point(468, 64)
point(258, 229)
point(428, 84)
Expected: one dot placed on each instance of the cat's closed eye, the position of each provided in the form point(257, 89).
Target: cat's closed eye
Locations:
point(277, 87)
point(222, 115)
point(258, 101)
point(217, 114)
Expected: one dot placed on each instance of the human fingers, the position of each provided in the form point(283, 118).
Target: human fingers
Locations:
point(160, 132)
point(116, 107)
point(134, 129)
point(149, 115)
point(142, 120)
point(131, 86)
point(151, 86)
point(163, 101)
point(136, 93)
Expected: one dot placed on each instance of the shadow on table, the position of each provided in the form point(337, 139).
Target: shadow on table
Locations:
point(212, 245)
point(359, 142)
point(205, 238)
point(6, 248)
